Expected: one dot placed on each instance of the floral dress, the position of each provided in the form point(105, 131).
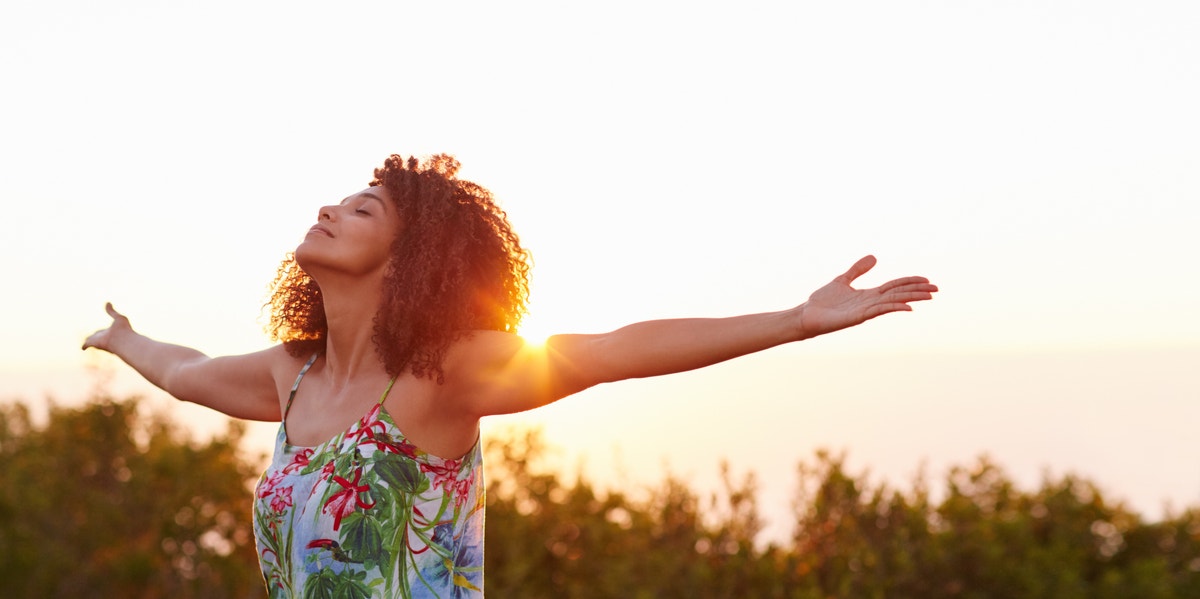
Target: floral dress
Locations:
point(368, 514)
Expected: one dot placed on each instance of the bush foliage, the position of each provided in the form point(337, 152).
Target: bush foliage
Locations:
point(105, 501)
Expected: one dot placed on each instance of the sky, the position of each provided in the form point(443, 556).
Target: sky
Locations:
point(1037, 160)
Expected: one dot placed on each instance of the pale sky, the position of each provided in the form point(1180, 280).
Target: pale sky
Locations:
point(1037, 160)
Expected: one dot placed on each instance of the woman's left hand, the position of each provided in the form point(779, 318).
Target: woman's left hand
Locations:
point(838, 306)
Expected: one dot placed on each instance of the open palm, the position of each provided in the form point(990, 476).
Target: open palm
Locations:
point(838, 305)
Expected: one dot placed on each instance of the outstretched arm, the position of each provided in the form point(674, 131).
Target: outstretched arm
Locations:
point(240, 386)
point(496, 373)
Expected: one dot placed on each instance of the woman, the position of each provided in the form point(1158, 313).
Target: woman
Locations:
point(397, 318)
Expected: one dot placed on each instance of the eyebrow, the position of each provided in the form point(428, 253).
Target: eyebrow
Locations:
point(376, 198)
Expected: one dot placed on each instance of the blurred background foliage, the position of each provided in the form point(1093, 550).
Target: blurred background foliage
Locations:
point(106, 500)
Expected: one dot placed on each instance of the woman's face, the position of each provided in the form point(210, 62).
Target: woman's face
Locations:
point(353, 237)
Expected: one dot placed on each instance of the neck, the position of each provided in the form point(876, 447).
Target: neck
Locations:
point(350, 309)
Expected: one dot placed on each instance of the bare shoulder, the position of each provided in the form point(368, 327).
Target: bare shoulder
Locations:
point(476, 358)
point(493, 372)
point(482, 353)
point(284, 369)
point(282, 365)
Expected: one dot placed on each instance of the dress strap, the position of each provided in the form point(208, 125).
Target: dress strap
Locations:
point(296, 385)
point(385, 391)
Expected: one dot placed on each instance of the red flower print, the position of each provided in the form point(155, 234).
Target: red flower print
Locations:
point(462, 490)
point(326, 472)
point(388, 443)
point(343, 503)
point(268, 486)
point(367, 423)
point(408, 449)
point(299, 462)
point(282, 499)
point(446, 476)
point(366, 431)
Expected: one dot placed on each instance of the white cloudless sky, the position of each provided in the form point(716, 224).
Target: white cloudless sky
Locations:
point(1037, 160)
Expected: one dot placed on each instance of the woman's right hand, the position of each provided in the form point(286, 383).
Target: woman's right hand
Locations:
point(103, 338)
point(240, 386)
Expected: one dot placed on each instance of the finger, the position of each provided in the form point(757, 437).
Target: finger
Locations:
point(889, 289)
point(888, 308)
point(859, 269)
point(902, 282)
point(910, 296)
point(116, 316)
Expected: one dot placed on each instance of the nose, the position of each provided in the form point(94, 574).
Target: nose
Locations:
point(326, 213)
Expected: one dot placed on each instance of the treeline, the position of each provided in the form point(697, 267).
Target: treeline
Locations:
point(984, 539)
point(106, 501)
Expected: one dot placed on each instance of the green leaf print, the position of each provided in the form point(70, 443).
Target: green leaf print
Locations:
point(328, 584)
point(401, 476)
point(362, 537)
point(321, 585)
point(347, 462)
point(352, 586)
point(318, 461)
point(277, 579)
point(398, 515)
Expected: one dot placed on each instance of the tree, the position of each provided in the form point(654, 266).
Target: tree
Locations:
point(104, 502)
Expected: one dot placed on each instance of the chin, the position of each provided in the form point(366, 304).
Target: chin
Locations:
point(306, 258)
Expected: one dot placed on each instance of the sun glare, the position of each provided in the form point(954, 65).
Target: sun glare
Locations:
point(533, 330)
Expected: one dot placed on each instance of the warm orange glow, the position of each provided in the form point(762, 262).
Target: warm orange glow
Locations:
point(537, 326)
point(535, 339)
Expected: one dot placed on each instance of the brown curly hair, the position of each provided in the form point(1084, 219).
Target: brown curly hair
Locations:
point(456, 266)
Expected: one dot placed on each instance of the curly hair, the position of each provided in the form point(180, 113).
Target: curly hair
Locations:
point(456, 266)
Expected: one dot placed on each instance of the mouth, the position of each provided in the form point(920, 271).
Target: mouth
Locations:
point(320, 230)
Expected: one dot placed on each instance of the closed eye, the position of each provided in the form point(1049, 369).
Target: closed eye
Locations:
point(361, 211)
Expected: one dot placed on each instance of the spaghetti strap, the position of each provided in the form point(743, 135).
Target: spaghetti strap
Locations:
point(385, 391)
point(296, 385)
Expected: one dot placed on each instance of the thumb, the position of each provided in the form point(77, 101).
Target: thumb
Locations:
point(860, 268)
point(116, 316)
